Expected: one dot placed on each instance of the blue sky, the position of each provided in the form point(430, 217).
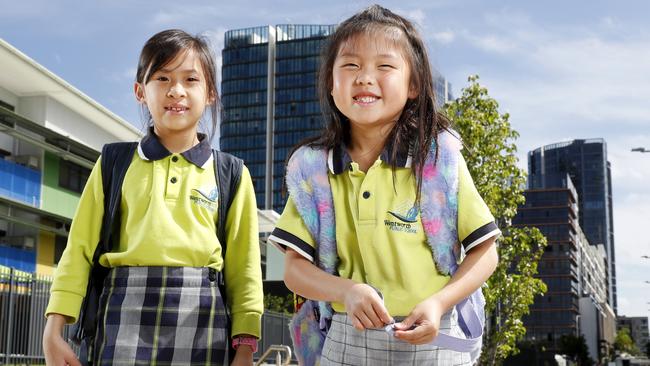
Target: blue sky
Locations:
point(562, 69)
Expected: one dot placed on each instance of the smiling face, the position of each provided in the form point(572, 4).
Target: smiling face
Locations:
point(371, 80)
point(176, 94)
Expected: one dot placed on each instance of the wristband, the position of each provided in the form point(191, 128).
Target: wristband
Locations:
point(248, 341)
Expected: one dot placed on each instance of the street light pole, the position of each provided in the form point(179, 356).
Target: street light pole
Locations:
point(641, 150)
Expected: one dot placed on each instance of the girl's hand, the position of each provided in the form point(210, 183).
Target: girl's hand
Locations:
point(426, 319)
point(365, 308)
point(243, 356)
point(56, 349)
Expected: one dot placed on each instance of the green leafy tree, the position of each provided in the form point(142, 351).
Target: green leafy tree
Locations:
point(576, 348)
point(490, 152)
point(624, 342)
point(278, 304)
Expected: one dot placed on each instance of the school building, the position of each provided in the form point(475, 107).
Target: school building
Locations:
point(50, 137)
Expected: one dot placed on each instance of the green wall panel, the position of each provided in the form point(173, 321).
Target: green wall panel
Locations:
point(55, 199)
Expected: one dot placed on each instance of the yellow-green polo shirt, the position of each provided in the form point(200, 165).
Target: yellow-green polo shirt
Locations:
point(169, 214)
point(377, 242)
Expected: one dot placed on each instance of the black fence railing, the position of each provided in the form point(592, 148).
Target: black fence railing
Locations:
point(23, 299)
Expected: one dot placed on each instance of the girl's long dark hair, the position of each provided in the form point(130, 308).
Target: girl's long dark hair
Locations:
point(420, 122)
point(162, 48)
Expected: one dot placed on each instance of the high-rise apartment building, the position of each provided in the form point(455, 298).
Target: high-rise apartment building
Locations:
point(585, 161)
point(573, 270)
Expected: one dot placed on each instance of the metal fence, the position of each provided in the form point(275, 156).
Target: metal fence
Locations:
point(24, 297)
point(275, 331)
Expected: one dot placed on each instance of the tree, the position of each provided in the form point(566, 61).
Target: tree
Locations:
point(624, 342)
point(576, 348)
point(490, 152)
point(279, 304)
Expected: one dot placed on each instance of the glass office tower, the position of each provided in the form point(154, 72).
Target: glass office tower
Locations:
point(258, 126)
point(585, 161)
point(262, 127)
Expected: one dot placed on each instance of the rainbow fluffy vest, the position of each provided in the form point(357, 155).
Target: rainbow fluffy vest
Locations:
point(308, 184)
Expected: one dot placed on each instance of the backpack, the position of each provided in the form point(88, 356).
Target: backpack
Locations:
point(308, 185)
point(116, 159)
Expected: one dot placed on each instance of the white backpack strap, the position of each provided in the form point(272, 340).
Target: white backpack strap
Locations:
point(468, 316)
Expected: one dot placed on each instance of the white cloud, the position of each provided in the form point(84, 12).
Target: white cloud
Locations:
point(508, 19)
point(184, 14)
point(610, 22)
point(597, 85)
point(25, 10)
point(492, 43)
point(444, 37)
point(125, 76)
point(417, 16)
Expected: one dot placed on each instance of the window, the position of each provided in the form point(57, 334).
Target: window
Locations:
point(72, 176)
point(59, 246)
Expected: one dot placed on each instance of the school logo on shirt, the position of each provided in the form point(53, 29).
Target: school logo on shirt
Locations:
point(407, 218)
point(205, 197)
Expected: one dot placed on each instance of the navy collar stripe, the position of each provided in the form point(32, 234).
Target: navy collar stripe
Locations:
point(151, 148)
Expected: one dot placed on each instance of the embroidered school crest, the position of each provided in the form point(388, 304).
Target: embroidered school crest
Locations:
point(205, 197)
point(406, 215)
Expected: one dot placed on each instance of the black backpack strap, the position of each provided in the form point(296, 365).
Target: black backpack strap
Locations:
point(227, 171)
point(115, 160)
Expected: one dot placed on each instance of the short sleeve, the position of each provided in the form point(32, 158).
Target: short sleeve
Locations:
point(475, 221)
point(291, 232)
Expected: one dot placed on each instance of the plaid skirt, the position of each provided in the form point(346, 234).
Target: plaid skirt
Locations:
point(162, 316)
point(345, 345)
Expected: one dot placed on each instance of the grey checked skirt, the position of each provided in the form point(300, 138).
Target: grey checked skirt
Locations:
point(162, 316)
point(345, 345)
